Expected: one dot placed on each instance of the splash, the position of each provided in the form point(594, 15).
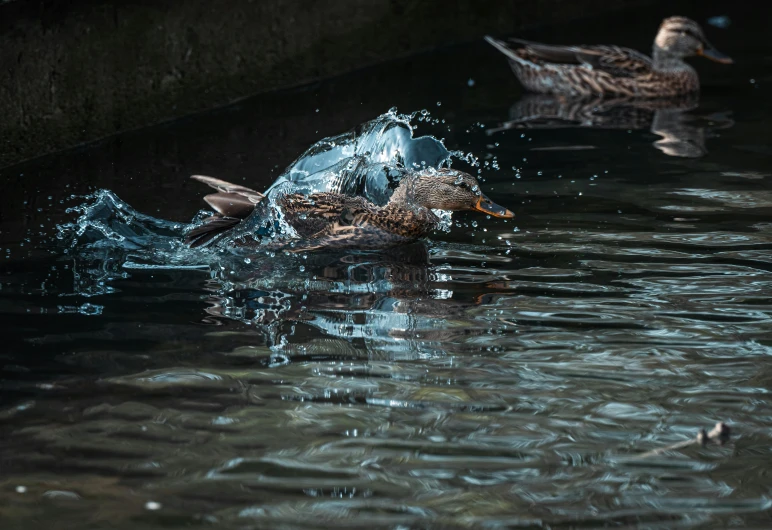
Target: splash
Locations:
point(368, 161)
point(110, 237)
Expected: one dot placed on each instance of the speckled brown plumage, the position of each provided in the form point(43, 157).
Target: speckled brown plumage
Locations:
point(613, 70)
point(334, 220)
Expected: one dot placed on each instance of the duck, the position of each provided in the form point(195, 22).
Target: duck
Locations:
point(613, 70)
point(333, 220)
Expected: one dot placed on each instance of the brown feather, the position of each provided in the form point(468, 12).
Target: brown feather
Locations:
point(612, 70)
point(333, 220)
point(230, 204)
point(228, 187)
point(232, 201)
point(613, 59)
point(209, 230)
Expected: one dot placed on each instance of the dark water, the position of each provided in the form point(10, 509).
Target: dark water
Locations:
point(498, 375)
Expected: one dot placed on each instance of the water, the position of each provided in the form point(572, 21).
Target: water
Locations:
point(501, 374)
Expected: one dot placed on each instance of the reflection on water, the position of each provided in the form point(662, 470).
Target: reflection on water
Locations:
point(496, 375)
point(682, 133)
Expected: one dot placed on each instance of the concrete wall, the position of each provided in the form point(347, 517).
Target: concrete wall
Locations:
point(75, 71)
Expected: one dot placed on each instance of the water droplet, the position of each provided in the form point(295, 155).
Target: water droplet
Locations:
point(247, 261)
point(470, 82)
point(152, 505)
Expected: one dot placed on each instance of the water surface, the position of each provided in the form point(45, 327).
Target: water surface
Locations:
point(501, 374)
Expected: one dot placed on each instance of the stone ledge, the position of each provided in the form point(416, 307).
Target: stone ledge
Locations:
point(81, 70)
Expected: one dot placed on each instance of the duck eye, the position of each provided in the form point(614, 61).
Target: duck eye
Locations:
point(690, 34)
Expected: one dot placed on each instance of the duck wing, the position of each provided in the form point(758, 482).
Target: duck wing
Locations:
point(335, 221)
point(210, 229)
point(231, 200)
point(312, 214)
point(359, 237)
point(615, 60)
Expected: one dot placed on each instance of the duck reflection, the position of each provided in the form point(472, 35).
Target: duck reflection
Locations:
point(681, 132)
point(386, 301)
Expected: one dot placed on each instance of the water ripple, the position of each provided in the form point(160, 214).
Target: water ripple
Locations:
point(496, 376)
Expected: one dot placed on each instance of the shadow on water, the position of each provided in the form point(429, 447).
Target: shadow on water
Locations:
point(497, 374)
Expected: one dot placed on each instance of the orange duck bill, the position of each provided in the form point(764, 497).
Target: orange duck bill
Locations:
point(709, 52)
point(485, 205)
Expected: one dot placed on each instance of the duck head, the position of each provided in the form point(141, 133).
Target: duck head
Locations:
point(682, 37)
point(449, 189)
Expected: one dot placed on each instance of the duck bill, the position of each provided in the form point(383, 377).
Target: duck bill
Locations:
point(709, 52)
point(485, 205)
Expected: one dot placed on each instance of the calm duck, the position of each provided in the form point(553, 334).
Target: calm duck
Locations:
point(612, 70)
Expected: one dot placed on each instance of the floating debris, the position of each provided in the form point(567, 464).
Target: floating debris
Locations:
point(721, 21)
point(718, 435)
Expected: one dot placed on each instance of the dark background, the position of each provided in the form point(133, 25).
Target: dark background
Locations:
point(74, 71)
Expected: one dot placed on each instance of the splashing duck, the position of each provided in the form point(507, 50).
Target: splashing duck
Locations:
point(334, 220)
point(613, 70)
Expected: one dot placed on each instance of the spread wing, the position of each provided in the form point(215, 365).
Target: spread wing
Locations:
point(231, 200)
point(210, 229)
